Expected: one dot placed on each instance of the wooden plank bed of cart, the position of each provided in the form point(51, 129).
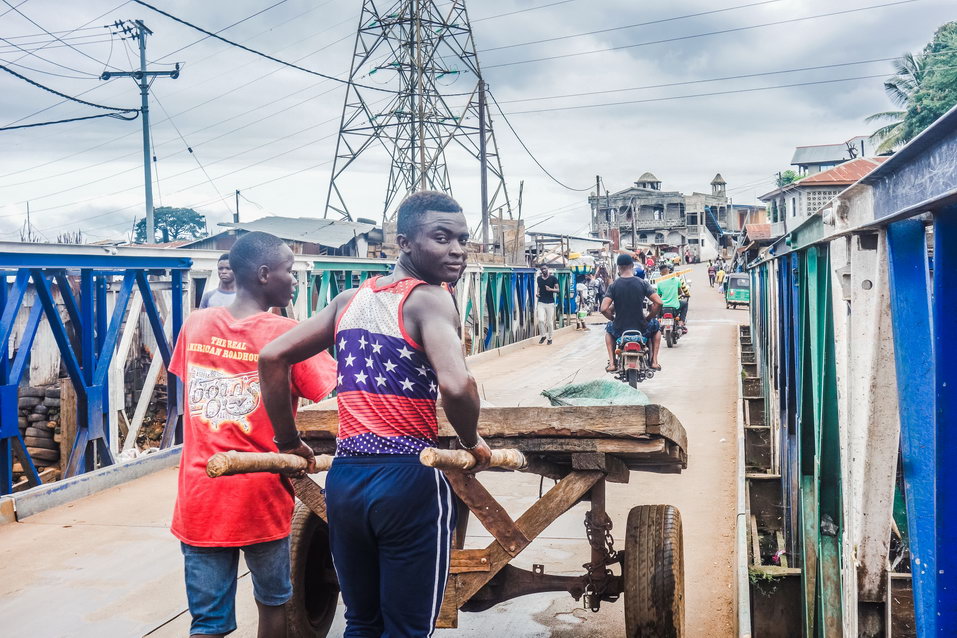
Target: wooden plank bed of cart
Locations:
point(581, 448)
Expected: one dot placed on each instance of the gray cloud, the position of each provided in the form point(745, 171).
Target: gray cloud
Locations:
point(285, 121)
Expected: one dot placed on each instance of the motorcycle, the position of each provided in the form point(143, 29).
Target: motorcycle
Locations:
point(633, 354)
point(670, 330)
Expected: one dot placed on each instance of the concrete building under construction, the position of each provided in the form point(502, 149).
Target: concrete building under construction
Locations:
point(644, 214)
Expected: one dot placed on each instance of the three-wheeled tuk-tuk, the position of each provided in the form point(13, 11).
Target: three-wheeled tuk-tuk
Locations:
point(737, 290)
point(579, 447)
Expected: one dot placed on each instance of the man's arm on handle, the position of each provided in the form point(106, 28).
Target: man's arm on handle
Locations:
point(307, 339)
point(607, 308)
point(655, 305)
point(435, 321)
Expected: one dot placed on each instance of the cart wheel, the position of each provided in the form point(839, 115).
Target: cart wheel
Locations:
point(315, 588)
point(654, 573)
point(633, 377)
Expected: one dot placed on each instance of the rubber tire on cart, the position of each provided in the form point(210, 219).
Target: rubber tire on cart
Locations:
point(653, 573)
point(315, 588)
point(632, 377)
point(669, 339)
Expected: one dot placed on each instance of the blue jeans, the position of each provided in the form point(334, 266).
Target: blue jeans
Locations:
point(211, 581)
point(648, 331)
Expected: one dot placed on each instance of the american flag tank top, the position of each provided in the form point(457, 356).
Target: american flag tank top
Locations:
point(386, 387)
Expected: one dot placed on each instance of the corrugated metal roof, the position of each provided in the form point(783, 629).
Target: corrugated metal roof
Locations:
point(823, 154)
point(844, 174)
point(758, 231)
point(326, 232)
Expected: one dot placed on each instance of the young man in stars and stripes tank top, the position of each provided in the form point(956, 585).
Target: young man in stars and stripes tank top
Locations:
point(397, 349)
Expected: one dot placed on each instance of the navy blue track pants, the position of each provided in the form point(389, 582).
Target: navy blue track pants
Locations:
point(390, 527)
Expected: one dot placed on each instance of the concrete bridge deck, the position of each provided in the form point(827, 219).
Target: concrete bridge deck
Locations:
point(107, 566)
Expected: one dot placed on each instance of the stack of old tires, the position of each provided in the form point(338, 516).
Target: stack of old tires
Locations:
point(39, 417)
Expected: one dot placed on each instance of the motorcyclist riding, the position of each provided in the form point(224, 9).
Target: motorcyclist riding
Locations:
point(670, 290)
point(624, 306)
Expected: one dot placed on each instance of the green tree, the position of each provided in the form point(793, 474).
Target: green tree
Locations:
point(924, 87)
point(172, 224)
point(787, 177)
point(909, 74)
point(937, 93)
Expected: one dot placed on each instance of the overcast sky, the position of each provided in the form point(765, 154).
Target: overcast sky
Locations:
point(270, 131)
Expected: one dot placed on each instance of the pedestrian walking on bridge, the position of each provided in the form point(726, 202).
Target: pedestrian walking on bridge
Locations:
point(545, 308)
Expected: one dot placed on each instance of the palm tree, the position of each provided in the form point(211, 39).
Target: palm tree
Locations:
point(910, 71)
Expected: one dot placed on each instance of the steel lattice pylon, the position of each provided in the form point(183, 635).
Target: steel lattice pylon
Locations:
point(419, 45)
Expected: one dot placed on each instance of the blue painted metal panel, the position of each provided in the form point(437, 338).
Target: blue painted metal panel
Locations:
point(109, 262)
point(97, 333)
point(945, 354)
point(913, 350)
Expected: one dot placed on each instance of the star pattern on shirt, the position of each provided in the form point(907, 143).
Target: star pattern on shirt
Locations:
point(362, 342)
point(368, 362)
point(376, 347)
point(349, 359)
point(340, 380)
point(422, 370)
point(342, 343)
point(405, 353)
point(389, 366)
point(432, 386)
point(380, 380)
point(406, 384)
point(361, 377)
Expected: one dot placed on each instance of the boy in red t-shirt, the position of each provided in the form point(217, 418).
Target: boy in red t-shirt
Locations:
point(216, 356)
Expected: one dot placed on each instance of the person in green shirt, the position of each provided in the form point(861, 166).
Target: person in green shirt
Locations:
point(670, 289)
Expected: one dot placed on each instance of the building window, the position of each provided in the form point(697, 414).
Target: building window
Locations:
point(692, 219)
point(693, 242)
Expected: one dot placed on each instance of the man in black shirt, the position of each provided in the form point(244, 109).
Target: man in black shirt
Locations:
point(624, 305)
point(545, 309)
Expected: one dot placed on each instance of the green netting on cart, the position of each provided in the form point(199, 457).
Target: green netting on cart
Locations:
point(597, 392)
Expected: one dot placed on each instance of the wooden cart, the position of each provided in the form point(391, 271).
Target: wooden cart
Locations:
point(579, 447)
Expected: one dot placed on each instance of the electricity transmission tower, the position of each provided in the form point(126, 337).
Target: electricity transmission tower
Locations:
point(421, 56)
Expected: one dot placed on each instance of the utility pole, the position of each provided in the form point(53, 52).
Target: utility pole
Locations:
point(594, 221)
point(483, 162)
point(138, 31)
point(236, 214)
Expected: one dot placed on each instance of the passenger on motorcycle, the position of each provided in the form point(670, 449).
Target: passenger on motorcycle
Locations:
point(671, 290)
point(624, 306)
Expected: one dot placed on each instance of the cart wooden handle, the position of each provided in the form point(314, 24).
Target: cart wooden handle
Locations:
point(233, 462)
point(505, 458)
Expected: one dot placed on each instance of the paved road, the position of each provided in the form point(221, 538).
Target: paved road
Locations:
point(106, 566)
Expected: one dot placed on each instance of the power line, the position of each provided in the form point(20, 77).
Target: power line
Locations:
point(81, 27)
point(57, 75)
point(701, 81)
point(190, 149)
point(693, 95)
point(511, 13)
point(192, 64)
point(631, 26)
point(266, 55)
point(249, 17)
point(65, 96)
point(40, 35)
point(72, 119)
point(34, 23)
point(699, 35)
point(40, 57)
point(527, 150)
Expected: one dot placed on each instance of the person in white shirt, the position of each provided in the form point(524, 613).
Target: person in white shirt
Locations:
point(225, 294)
